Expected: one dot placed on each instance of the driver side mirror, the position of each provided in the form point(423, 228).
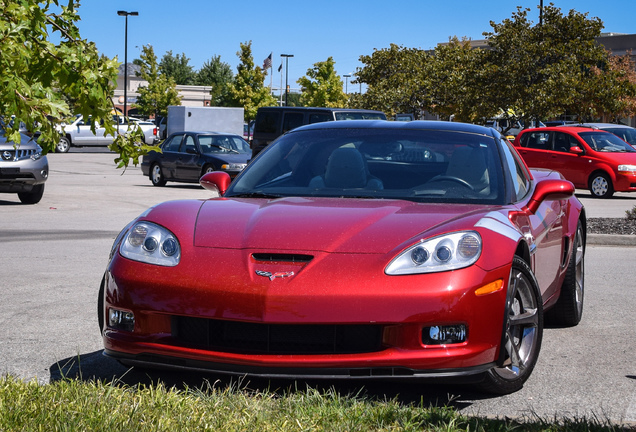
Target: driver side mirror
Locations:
point(576, 150)
point(555, 189)
point(216, 181)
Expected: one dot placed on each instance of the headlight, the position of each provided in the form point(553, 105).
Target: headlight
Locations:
point(233, 166)
point(446, 252)
point(627, 168)
point(152, 244)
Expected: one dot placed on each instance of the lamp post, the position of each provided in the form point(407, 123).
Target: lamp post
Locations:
point(125, 13)
point(287, 56)
point(347, 76)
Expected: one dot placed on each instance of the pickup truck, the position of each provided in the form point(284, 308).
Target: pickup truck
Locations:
point(78, 133)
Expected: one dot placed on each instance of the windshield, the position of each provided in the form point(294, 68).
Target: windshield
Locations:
point(626, 134)
point(605, 142)
point(418, 165)
point(223, 144)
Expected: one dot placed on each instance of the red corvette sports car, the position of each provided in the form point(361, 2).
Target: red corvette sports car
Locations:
point(359, 250)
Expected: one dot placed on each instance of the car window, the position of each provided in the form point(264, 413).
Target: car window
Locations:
point(606, 142)
point(563, 142)
point(422, 166)
point(292, 121)
point(320, 117)
point(535, 140)
point(267, 122)
point(626, 134)
point(213, 144)
point(173, 143)
point(188, 145)
point(520, 181)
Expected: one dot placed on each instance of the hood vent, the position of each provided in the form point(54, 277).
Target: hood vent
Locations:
point(277, 257)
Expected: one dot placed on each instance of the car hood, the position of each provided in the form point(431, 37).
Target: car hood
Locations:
point(324, 224)
point(230, 157)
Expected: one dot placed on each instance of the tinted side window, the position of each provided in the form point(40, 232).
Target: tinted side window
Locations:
point(267, 122)
point(520, 181)
point(173, 143)
point(188, 145)
point(292, 121)
point(535, 140)
point(563, 142)
point(319, 117)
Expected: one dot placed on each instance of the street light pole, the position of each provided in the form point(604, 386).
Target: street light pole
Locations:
point(347, 76)
point(287, 56)
point(125, 14)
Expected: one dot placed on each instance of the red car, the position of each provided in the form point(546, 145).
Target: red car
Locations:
point(590, 158)
point(358, 250)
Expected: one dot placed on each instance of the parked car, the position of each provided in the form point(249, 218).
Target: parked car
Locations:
point(23, 169)
point(78, 132)
point(626, 133)
point(593, 159)
point(404, 117)
point(186, 156)
point(509, 127)
point(377, 250)
point(272, 122)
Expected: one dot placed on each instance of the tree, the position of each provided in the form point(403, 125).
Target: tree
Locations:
point(161, 90)
point(218, 75)
point(177, 68)
point(39, 78)
point(247, 90)
point(542, 71)
point(322, 87)
point(395, 80)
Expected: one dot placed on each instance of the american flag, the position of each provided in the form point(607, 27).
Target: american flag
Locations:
point(267, 63)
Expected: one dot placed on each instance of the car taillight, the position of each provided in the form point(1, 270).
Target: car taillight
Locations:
point(154, 131)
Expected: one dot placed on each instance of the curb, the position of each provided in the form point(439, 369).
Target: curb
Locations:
point(611, 240)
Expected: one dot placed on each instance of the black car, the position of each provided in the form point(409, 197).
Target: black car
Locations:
point(186, 156)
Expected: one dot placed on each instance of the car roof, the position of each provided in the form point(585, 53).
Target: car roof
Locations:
point(318, 109)
point(606, 125)
point(412, 125)
point(573, 129)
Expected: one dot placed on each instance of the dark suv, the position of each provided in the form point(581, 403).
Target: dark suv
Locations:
point(271, 122)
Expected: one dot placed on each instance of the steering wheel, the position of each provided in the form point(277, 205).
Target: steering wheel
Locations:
point(461, 181)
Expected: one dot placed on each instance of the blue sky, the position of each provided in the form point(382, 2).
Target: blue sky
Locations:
point(311, 31)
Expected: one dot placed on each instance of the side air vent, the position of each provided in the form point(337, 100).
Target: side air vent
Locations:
point(273, 257)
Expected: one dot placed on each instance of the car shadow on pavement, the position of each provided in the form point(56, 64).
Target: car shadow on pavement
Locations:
point(92, 367)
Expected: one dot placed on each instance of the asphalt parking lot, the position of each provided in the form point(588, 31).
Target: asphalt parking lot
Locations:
point(54, 254)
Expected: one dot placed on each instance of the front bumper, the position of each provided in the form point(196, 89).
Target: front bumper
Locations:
point(400, 307)
point(22, 175)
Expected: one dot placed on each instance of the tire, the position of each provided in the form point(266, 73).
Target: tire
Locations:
point(32, 197)
point(100, 305)
point(207, 169)
point(156, 175)
point(63, 145)
point(601, 186)
point(522, 333)
point(568, 310)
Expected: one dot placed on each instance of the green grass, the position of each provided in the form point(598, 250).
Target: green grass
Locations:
point(74, 405)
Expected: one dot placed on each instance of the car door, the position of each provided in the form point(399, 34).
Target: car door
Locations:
point(171, 153)
point(84, 136)
point(542, 229)
point(574, 166)
point(534, 147)
point(187, 164)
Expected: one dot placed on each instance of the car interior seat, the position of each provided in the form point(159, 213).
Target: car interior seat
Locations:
point(346, 168)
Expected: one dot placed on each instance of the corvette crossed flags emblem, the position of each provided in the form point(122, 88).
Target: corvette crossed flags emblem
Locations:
point(273, 276)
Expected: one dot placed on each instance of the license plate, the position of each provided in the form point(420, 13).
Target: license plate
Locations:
point(9, 171)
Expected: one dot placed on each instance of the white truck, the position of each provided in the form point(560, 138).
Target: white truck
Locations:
point(78, 133)
point(205, 119)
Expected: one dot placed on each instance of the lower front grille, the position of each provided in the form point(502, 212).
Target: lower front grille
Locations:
point(257, 338)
